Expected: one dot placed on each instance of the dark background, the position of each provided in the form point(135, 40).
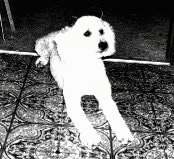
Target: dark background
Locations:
point(119, 5)
point(82, 6)
point(141, 26)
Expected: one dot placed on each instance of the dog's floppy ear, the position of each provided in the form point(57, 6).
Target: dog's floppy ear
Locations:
point(54, 49)
point(41, 46)
point(46, 46)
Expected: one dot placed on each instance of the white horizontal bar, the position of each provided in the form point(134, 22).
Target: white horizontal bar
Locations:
point(18, 53)
point(137, 61)
point(109, 60)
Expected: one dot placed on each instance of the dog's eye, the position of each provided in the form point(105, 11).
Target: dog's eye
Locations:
point(101, 31)
point(87, 33)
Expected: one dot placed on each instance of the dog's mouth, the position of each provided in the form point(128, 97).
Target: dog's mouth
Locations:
point(101, 51)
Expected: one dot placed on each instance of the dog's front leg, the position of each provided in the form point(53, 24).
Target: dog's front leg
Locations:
point(114, 118)
point(88, 135)
point(45, 48)
point(42, 61)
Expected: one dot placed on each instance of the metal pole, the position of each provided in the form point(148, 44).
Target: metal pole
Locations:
point(2, 30)
point(170, 41)
point(7, 6)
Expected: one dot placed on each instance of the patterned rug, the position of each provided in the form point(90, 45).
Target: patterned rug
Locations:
point(34, 122)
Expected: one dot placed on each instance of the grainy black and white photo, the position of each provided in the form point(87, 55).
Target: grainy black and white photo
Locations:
point(90, 79)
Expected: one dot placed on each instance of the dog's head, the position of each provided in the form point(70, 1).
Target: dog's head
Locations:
point(92, 35)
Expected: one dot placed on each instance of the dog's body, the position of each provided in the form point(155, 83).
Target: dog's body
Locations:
point(75, 63)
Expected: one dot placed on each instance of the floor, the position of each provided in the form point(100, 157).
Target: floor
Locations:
point(34, 122)
point(33, 118)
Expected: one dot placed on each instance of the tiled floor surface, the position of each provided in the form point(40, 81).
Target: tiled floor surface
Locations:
point(34, 122)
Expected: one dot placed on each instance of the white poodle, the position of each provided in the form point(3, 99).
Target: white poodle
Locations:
point(75, 63)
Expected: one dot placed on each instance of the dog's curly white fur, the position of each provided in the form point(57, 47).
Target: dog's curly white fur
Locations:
point(75, 63)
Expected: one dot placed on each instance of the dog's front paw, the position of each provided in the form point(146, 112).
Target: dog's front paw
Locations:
point(90, 138)
point(41, 62)
point(125, 137)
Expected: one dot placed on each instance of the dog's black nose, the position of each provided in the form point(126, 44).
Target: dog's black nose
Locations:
point(103, 45)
